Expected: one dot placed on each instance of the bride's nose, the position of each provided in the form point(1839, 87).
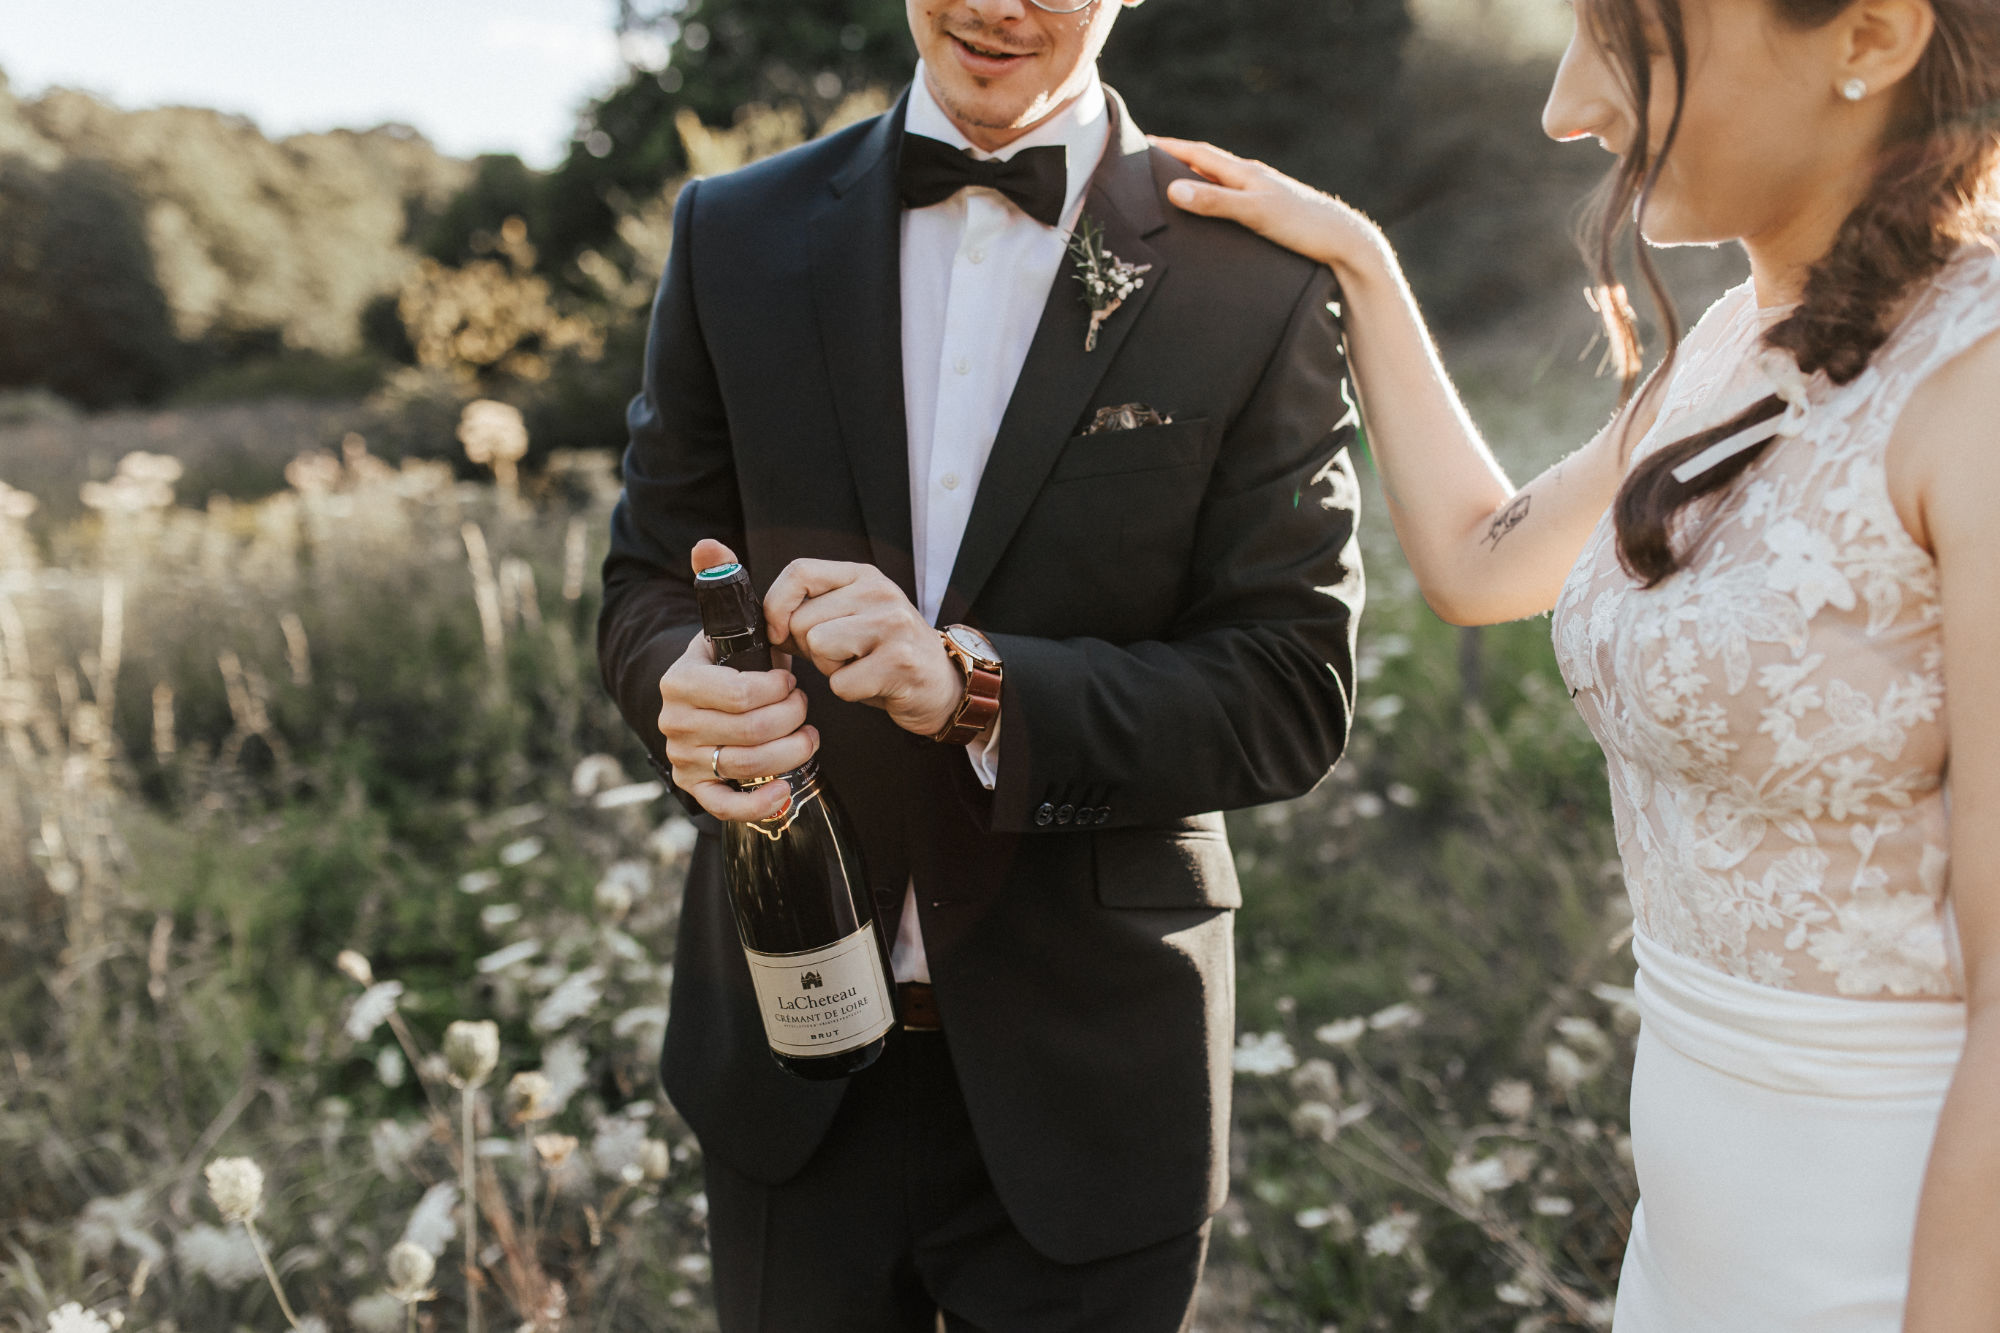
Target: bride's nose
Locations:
point(1584, 100)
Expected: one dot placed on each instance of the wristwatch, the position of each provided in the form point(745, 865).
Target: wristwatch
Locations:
point(979, 660)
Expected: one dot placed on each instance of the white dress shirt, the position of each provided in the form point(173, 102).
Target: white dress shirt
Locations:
point(976, 273)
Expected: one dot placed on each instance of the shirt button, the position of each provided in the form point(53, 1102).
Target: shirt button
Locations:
point(963, 365)
point(977, 256)
point(949, 481)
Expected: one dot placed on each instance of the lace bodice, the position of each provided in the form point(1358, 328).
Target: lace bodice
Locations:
point(1773, 716)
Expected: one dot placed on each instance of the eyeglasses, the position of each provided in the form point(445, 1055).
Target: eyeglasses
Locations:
point(1060, 7)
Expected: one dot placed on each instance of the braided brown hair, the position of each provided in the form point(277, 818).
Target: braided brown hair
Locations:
point(1936, 186)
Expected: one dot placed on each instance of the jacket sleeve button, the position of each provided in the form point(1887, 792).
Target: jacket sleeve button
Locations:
point(1065, 813)
point(1045, 814)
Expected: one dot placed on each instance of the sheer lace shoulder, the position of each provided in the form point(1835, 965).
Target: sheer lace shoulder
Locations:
point(1773, 716)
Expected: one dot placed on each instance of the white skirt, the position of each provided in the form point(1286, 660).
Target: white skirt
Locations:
point(1780, 1140)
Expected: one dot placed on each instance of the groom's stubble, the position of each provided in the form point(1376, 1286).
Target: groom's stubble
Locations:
point(1045, 61)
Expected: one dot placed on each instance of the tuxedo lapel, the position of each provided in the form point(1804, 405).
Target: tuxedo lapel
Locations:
point(1059, 377)
point(856, 262)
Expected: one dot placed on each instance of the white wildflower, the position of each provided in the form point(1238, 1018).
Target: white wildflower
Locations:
point(471, 1050)
point(567, 1066)
point(618, 1146)
point(237, 1186)
point(376, 1313)
point(1403, 794)
point(1513, 1098)
point(1624, 1005)
point(1523, 1290)
point(1312, 1219)
point(372, 1009)
point(1395, 1017)
point(1391, 1235)
point(226, 1258)
point(1367, 805)
point(656, 1160)
point(502, 959)
point(1473, 1181)
point(613, 898)
point(390, 1067)
point(1623, 1147)
point(73, 1318)
point(1383, 710)
point(499, 916)
point(1419, 1299)
point(1553, 1205)
point(1264, 1054)
point(1598, 1314)
point(1340, 1032)
point(673, 839)
point(1315, 1120)
point(1586, 1036)
point(476, 882)
point(634, 793)
point(645, 1018)
point(1354, 1115)
point(110, 1222)
point(1583, 1129)
point(574, 998)
point(693, 1265)
point(593, 773)
point(1317, 1079)
point(393, 1145)
point(520, 852)
point(434, 1221)
point(1567, 1069)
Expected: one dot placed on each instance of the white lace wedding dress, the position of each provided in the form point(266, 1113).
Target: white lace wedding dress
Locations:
point(1773, 718)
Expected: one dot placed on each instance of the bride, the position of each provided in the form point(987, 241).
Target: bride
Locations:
point(1776, 586)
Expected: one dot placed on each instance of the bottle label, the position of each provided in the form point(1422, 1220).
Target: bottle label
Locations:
point(824, 1001)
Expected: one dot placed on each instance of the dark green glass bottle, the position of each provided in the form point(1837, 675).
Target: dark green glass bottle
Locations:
point(803, 913)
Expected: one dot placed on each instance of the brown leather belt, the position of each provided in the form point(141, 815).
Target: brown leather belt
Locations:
point(917, 1003)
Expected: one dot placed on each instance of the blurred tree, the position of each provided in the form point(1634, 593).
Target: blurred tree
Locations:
point(467, 228)
point(85, 316)
point(1305, 85)
point(713, 57)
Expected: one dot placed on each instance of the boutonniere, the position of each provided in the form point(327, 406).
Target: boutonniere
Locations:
point(1107, 280)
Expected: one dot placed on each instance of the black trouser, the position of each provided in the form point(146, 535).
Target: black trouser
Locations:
point(894, 1222)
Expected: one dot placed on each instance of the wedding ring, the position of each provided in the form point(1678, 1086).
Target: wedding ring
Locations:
point(715, 764)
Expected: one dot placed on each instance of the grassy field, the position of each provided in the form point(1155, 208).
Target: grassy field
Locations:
point(293, 783)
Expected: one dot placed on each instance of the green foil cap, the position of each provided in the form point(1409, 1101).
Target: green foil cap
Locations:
point(729, 604)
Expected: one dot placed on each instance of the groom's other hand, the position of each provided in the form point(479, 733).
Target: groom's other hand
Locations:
point(857, 628)
point(722, 724)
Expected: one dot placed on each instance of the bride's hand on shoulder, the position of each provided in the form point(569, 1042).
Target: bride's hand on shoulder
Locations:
point(1275, 206)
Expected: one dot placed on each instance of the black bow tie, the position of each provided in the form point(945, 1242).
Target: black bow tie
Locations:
point(1036, 179)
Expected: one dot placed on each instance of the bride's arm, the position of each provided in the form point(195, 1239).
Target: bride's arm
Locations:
point(1482, 550)
point(1954, 451)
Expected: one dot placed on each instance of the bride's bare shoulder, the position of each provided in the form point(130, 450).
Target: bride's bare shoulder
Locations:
point(1945, 453)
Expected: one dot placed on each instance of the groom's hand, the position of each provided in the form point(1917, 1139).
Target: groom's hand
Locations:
point(722, 724)
point(856, 626)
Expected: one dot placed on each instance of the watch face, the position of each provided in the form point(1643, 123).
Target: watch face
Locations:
point(975, 645)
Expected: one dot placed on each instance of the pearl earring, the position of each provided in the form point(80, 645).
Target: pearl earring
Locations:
point(1854, 89)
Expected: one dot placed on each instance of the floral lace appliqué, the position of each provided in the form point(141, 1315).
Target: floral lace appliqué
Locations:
point(1773, 715)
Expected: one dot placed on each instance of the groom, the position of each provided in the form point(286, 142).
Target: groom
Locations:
point(872, 377)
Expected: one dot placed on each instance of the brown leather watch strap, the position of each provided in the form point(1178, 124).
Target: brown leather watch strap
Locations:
point(976, 710)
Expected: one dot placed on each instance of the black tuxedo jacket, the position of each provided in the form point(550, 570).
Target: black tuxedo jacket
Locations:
point(1175, 605)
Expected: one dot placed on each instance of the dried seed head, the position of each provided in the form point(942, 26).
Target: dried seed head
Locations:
point(471, 1050)
point(411, 1268)
point(555, 1149)
point(655, 1160)
point(237, 1186)
point(528, 1095)
point(355, 966)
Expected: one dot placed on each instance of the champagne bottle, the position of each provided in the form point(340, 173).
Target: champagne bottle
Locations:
point(796, 881)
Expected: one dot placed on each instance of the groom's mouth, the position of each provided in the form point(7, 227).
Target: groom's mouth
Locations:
point(984, 60)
